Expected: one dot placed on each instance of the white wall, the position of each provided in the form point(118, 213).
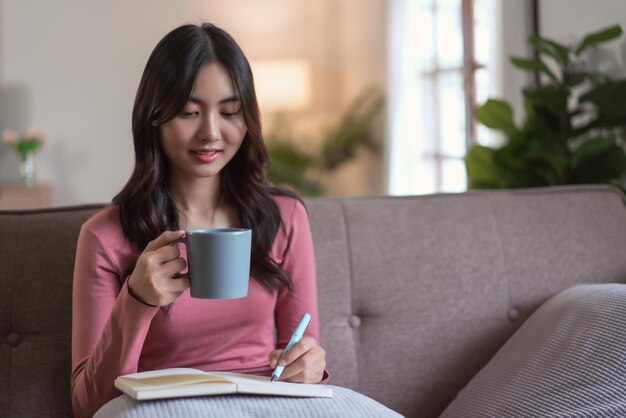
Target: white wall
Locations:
point(565, 20)
point(71, 68)
point(584, 17)
point(515, 28)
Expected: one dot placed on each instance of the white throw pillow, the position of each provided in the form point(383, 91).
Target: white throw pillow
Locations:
point(567, 359)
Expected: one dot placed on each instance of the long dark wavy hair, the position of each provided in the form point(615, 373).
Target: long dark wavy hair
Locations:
point(145, 203)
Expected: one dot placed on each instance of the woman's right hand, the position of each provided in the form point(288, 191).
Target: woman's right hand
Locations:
point(152, 280)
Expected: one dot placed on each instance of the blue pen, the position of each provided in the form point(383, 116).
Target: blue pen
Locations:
point(297, 336)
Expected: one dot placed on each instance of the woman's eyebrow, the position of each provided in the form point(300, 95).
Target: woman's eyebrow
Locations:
point(230, 99)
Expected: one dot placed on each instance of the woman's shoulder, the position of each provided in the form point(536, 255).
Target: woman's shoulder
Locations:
point(102, 234)
point(289, 206)
point(104, 218)
point(106, 225)
point(294, 227)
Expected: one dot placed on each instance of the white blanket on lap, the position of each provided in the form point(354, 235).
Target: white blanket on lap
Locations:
point(345, 403)
point(567, 359)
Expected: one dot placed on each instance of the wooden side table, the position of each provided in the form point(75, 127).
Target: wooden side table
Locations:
point(15, 196)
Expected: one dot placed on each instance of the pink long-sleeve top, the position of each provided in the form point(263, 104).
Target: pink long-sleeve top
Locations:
point(113, 333)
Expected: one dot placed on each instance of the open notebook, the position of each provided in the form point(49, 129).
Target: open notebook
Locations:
point(181, 382)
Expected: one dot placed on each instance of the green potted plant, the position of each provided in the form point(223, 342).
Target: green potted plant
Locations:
point(574, 128)
point(290, 166)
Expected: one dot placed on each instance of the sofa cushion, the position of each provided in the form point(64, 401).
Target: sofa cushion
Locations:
point(569, 358)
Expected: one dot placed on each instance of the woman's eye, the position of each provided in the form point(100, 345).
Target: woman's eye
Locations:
point(231, 114)
point(185, 114)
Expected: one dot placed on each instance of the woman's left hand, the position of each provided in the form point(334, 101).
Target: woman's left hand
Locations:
point(304, 363)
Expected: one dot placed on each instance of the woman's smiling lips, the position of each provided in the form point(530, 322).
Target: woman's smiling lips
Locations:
point(206, 155)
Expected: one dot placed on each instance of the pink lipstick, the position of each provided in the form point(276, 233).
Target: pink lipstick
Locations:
point(206, 155)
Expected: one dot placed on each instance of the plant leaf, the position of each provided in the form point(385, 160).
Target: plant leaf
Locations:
point(609, 93)
point(592, 147)
point(497, 114)
point(552, 98)
point(518, 170)
point(482, 171)
point(533, 65)
point(288, 167)
point(600, 167)
point(573, 79)
point(609, 100)
point(354, 131)
point(551, 153)
point(547, 113)
point(603, 35)
point(557, 51)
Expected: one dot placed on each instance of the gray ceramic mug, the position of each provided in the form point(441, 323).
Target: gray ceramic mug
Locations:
point(218, 262)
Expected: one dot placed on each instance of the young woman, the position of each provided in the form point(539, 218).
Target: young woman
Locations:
point(199, 163)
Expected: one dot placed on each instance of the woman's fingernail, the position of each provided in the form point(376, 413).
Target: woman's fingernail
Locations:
point(283, 363)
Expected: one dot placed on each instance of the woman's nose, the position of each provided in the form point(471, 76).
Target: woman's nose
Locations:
point(211, 128)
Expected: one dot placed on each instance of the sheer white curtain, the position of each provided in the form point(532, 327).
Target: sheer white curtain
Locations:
point(405, 113)
point(426, 105)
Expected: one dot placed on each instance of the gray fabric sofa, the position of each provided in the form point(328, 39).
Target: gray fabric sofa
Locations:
point(416, 293)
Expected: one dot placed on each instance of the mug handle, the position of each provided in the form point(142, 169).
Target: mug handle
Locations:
point(180, 275)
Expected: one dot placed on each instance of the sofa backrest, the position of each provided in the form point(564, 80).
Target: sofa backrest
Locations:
point(37, 250)
point(416, 293)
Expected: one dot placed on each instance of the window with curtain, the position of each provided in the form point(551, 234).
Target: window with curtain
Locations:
point(441, 65)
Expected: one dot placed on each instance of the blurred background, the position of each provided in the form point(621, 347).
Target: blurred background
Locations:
point(359, 97)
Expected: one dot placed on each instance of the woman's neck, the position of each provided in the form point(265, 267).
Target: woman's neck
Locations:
point(200, 203)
